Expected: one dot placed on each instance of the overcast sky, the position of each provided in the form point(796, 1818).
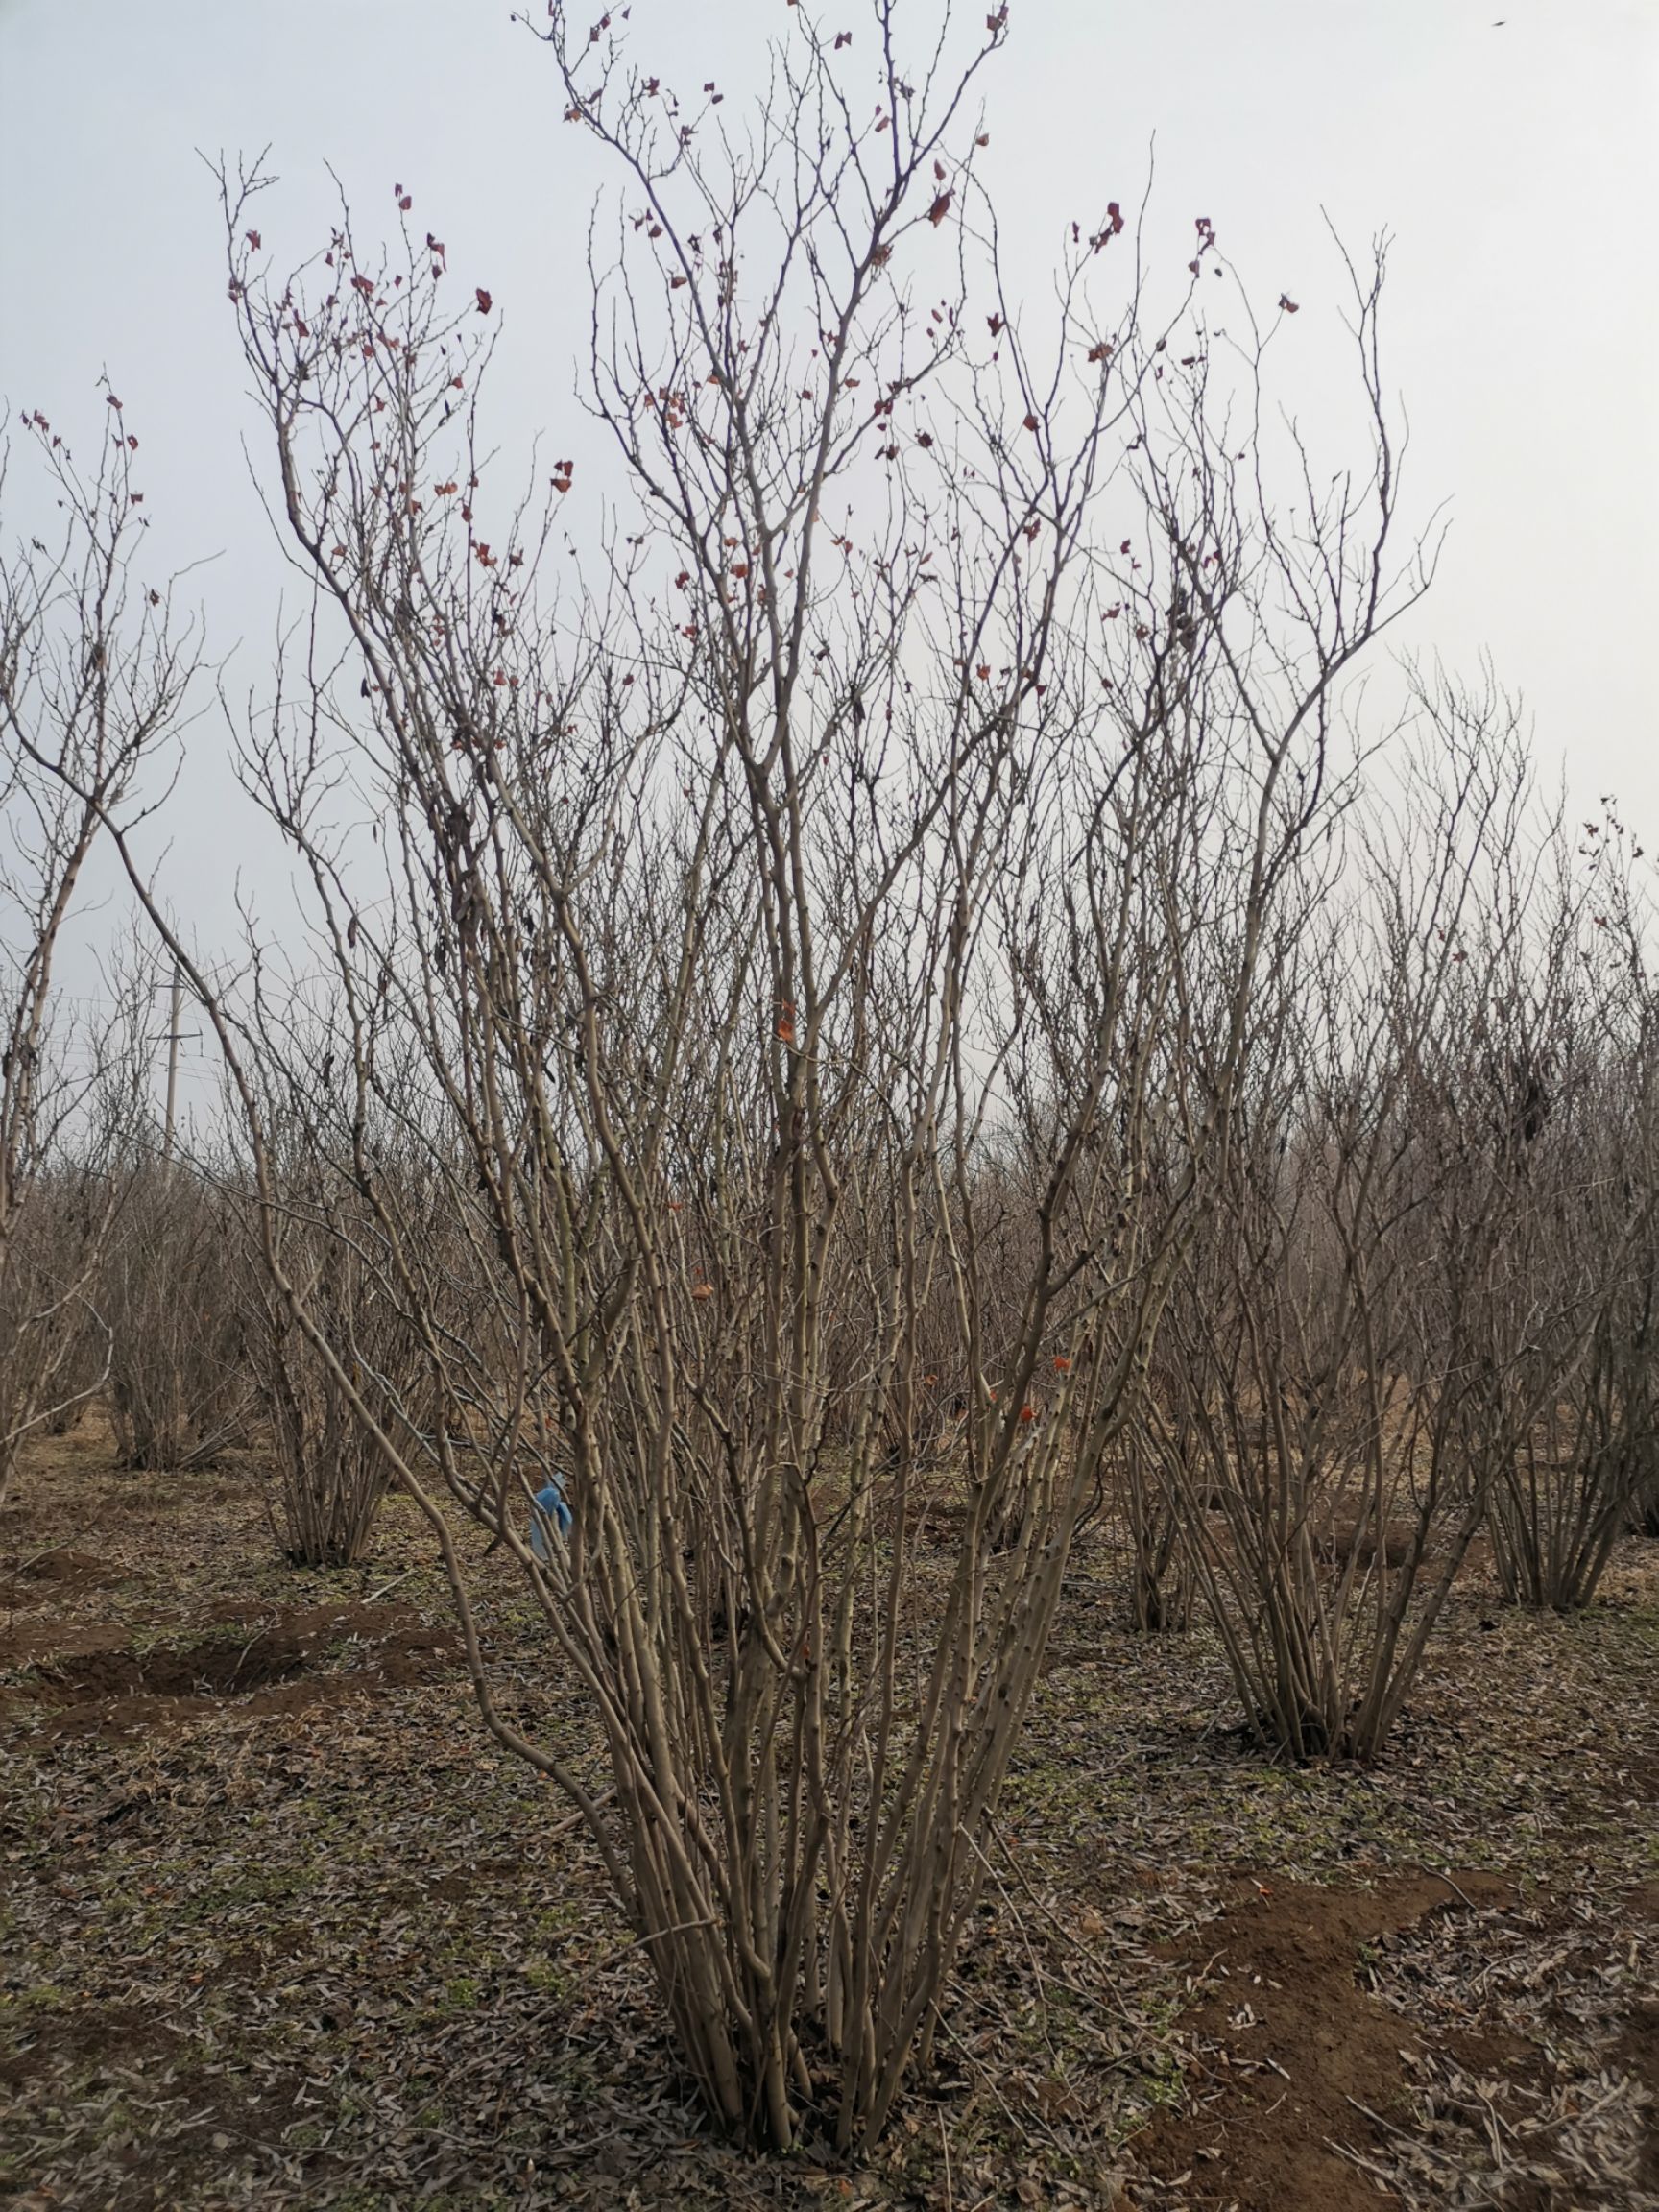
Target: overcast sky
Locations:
point(1516, 166)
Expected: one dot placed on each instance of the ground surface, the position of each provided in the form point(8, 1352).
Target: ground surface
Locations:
point(278, 1928)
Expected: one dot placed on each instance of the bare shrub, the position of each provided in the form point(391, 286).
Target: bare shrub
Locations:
point(90, 686)
point(736, 938)
point(1644, 1500)
point(332, 1472)
point(1412, 1306)
point(172, 1292)
point(1351, 1357)
point(1161, 1573)
point(54, 1339)
point(50, 1347)
point(1571, 1070)
point(1584, 1473)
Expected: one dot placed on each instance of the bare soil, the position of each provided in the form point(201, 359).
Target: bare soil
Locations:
point(279, 1927)
point(1307, 2059)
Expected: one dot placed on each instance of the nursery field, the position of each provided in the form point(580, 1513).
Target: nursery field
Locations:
point(281, 1926)
point(829, 1252)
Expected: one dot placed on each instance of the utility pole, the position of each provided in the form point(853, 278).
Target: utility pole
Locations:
point(174, 1001)
point(175, 1038)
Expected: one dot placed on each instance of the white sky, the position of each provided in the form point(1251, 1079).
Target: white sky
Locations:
point(1518, 168)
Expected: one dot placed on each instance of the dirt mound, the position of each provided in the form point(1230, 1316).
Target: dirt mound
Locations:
point(310, 1655)
point(1297, 2055)
point(35, 1641)
point(214, 1668)
point(70, 2040)
point(99, 2058)
point(391, 1643)
point(64, 1568)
